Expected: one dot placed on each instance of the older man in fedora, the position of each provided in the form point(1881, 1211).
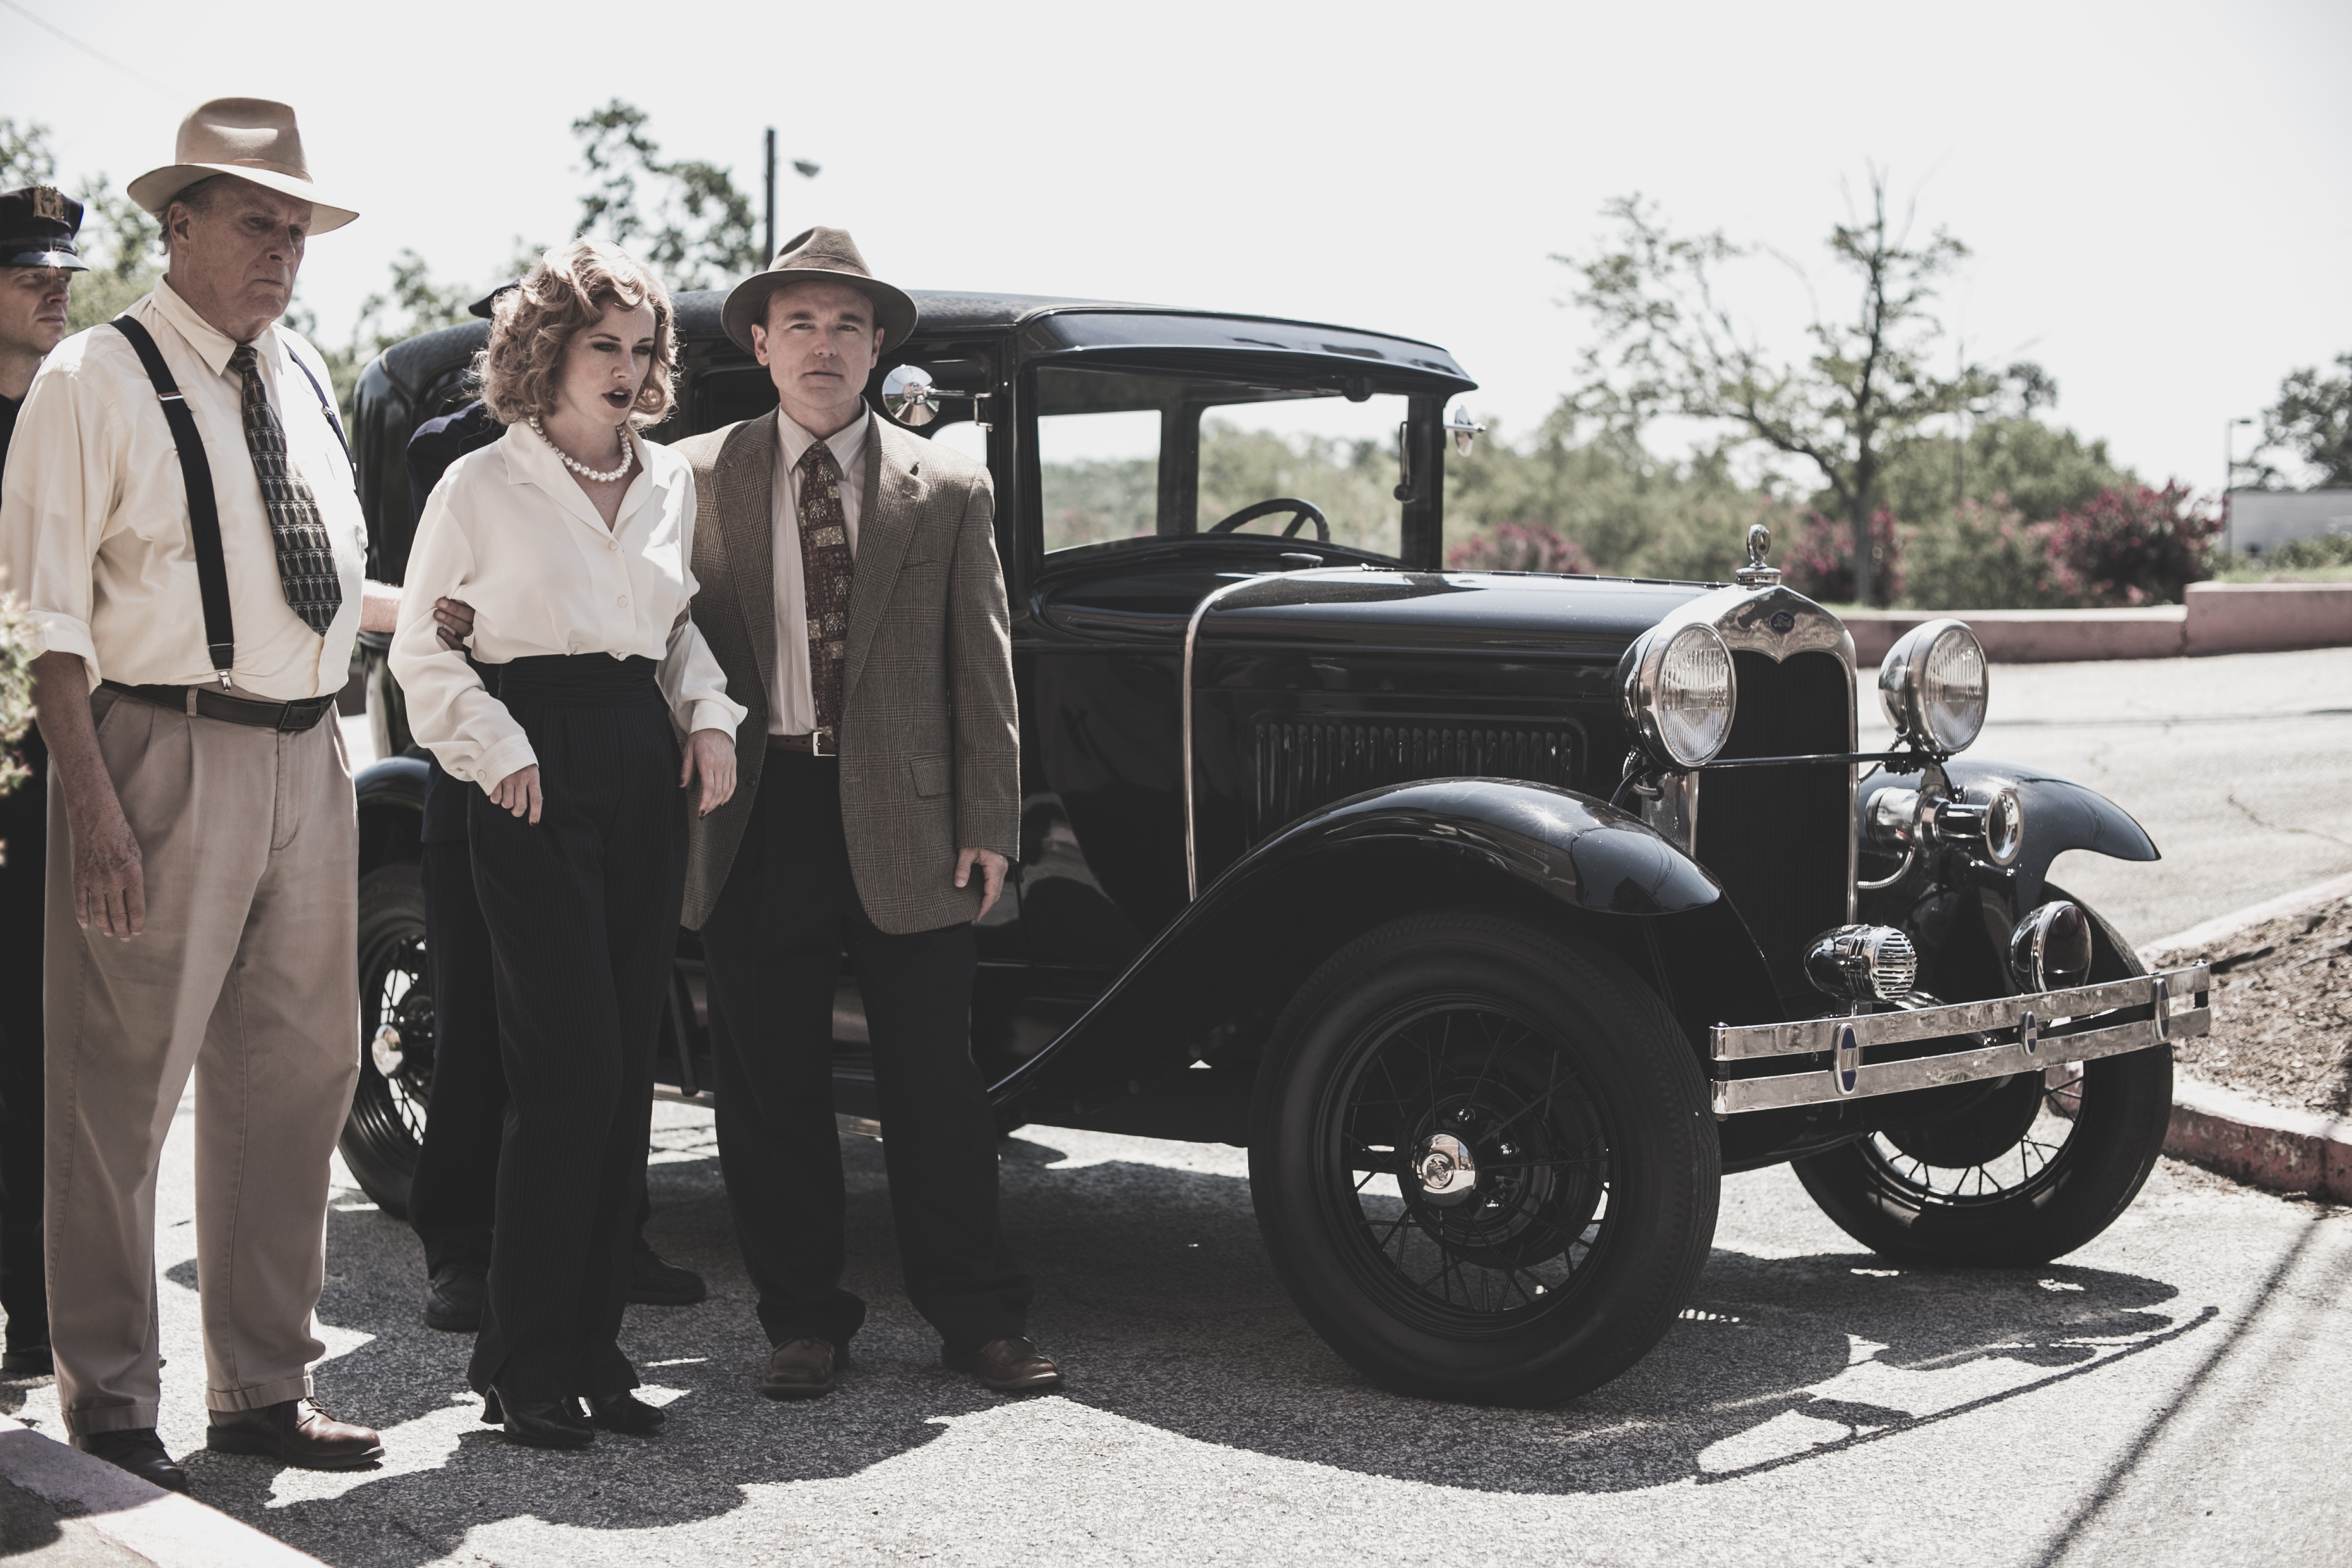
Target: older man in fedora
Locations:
point(852, 592)
point(191, 554)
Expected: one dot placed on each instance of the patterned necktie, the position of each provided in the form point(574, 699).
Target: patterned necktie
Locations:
point(824, 577)
point(306, 559)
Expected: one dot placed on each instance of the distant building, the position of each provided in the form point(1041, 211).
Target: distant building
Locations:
point(2262, 521)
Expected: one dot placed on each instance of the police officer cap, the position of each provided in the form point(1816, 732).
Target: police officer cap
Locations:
point(38, 226)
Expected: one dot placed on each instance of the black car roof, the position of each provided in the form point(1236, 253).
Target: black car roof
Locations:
point(1056, 321)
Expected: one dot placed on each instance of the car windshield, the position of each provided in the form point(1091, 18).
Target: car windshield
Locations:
point(1125, 455)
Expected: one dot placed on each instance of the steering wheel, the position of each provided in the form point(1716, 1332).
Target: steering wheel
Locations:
point(1304, 511)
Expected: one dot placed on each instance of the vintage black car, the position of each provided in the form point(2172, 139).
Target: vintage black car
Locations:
point(1499, 915)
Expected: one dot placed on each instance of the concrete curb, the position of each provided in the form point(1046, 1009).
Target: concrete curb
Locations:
point(161, 1527)
point(2218, 617)
point(2263, 1146)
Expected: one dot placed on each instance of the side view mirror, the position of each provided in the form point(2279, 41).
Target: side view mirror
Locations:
point(1462, 428)
point(911, 395)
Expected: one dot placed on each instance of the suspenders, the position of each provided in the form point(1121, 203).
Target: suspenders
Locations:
point(203, 510)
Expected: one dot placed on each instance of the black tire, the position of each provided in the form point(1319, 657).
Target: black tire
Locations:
point(2031, 1172)
point(1584, 1113)
point(386, 1125)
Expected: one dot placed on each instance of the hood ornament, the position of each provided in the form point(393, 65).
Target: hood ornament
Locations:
point(1756, 574)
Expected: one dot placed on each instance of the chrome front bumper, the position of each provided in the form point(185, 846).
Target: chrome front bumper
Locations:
point(1969, 1040)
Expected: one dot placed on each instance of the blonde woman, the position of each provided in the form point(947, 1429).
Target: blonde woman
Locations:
point(571, 537)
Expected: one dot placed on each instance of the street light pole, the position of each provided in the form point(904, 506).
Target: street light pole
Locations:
point(2228, 472)
point(771, 251)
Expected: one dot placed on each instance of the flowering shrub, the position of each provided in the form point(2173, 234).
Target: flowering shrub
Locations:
point(1518, 547)
point(1818, 562)
point(2135, 547)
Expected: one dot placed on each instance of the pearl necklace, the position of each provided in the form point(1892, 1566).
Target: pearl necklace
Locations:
point(629, 455)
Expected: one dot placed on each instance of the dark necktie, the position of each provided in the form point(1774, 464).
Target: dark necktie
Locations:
point(824, 577)
point(306, 559)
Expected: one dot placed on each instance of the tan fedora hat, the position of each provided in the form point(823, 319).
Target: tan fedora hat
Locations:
point(817, 255)
point(251, 138)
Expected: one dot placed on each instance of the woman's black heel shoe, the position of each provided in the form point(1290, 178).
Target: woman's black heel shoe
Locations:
point(625, 1413)
point(553, 1425)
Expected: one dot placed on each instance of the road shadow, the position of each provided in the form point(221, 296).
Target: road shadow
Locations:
point(1154, 1291)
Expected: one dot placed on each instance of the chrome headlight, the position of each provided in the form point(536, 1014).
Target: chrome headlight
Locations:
point(1679, 694)
point(2051, 948)
point(1932, 684)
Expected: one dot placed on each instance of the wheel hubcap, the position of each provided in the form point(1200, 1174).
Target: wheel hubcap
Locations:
point(1447, 1171)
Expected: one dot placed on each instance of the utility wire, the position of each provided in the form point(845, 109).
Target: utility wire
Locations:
point(94, 54)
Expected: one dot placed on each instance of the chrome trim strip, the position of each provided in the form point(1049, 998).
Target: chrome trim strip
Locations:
point(1931, 1072)
point(1192, 630)
point(1731, 1043)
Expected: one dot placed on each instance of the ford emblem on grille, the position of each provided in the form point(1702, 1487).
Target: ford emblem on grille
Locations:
point(1783, 622)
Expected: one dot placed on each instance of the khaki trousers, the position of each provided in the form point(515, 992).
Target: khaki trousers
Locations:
point(247, 974)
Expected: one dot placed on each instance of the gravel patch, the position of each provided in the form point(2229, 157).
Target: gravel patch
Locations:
point(2283, 1013)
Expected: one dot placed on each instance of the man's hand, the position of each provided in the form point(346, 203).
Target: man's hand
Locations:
point(992, 867)
point(518, 792)
point(456, 623)
point(711, 753)
point(109, 882)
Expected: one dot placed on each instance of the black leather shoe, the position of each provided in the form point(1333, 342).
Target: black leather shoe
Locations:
point(652, 1283)
point(554, 1424)
point(624, 1413)
point(27, 1361)
point(802, 1369)
point(1012, 1365)
point(141, 1452)
point(452, 1299)
point(298, 1432)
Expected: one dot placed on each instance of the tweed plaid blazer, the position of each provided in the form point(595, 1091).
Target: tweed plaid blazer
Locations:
point(930, 738)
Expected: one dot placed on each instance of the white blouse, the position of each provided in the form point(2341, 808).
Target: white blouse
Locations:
point(509, 530)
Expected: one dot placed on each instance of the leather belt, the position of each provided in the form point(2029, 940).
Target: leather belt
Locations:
point(816, 744)
point(293, 718)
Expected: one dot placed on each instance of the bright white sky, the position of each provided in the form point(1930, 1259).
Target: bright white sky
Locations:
point(2158, 194)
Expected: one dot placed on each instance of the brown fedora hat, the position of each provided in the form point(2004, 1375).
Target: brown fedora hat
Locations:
point(251, 138)
point(817, 255)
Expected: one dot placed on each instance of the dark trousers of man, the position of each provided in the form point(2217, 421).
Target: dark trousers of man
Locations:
point(582, 914)
point(24, 841)
point(774, 944)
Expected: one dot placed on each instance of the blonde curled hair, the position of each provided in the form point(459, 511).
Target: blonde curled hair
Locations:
point(532, 325)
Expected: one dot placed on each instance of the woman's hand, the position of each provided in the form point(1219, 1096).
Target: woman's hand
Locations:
point(711, 753)
point(518, 792)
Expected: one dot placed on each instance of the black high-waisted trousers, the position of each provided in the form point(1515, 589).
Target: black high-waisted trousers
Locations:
point(582, 911)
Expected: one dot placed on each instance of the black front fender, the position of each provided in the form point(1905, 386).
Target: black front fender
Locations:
point(1214, 981)
point(2060, 815)
point(392, 810)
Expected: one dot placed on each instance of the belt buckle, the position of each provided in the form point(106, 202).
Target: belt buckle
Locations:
point(819, 743)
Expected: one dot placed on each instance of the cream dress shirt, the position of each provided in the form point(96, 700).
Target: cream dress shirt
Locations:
point(792, 705)
point(94, 513)
point(509, 530)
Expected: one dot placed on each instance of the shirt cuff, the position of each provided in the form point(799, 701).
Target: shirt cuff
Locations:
point(63, 634)
point(502, 759)
point(709, 714)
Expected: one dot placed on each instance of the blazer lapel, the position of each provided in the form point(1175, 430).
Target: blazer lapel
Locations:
point(886, 526)
point(747, 479)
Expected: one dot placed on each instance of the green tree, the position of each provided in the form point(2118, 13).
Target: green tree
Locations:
point(1669, 343)
point(2312, 421)
point(2008, 460)
point(121, 244)
point(684, 218)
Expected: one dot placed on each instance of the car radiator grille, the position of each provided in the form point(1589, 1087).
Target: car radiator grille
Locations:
point(1779, 839)
point(1302, 766)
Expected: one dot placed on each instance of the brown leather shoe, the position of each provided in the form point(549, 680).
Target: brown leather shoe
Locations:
point(299, 1432)
point(1013, 1365)
point(802, 1369)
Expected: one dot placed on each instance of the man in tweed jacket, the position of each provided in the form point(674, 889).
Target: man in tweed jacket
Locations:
point(851, 590)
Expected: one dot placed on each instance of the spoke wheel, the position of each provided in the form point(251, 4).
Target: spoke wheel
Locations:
point(2035, 1169)
point(1482, 1160)
point(386, 1126)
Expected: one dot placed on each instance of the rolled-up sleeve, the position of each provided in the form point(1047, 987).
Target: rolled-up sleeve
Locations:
point(55, 501)
point(449, 711)
point(690, 678)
